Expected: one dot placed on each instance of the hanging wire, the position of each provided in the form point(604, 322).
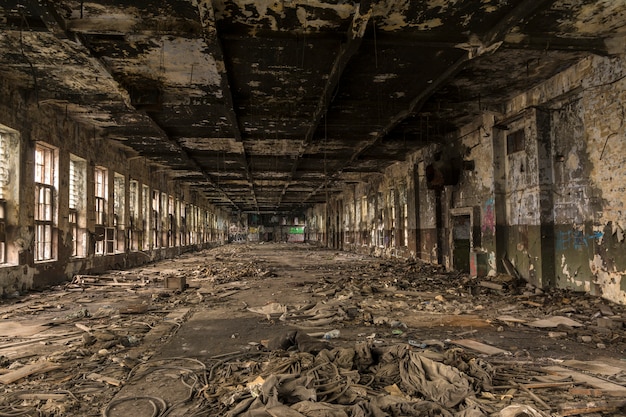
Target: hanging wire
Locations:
point(24, 25)
point(375, 45)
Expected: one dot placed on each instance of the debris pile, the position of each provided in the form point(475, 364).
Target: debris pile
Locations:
point(347, 336)
point(348, 382)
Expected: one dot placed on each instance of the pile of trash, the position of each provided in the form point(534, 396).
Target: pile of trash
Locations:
point(315, 380)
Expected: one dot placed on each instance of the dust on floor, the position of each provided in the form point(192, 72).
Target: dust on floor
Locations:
point(296, 330)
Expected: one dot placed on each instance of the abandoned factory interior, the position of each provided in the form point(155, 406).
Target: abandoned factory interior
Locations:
point(318, 208)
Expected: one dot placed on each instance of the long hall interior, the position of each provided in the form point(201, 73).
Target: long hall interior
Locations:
point(319, 208)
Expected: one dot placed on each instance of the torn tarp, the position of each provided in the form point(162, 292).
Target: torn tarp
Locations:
point(348, 382)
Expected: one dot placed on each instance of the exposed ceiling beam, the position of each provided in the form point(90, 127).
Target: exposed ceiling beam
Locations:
point(103, 68)
point(488, 42)
point(424, 39)
point(207, 19)
point(362, 15)
point(593, 45)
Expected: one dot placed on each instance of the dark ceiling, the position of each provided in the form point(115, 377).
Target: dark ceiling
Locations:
point(268, 105)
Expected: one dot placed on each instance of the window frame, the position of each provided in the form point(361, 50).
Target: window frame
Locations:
point(46, 205)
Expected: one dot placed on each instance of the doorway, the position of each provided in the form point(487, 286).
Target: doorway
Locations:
point(461, 242)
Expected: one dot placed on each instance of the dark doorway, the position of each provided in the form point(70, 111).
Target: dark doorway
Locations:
point(461, 242)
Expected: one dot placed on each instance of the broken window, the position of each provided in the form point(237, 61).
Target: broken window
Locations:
point(165, 227)
point(205, 226)
point(182, 229)
point(171, 206)
point(133, 212)
point(156, 220)
point(405, 224)
point(193, 226)
point(4, 181)
point(145, 217)
point(77, 205)
point(100, 198)
point(100, 193)
point(515, 142)
point(392, 223)
point(10, 162)
point(3, 237)
point(45, 199)
point(380, 232)
point(119, 211)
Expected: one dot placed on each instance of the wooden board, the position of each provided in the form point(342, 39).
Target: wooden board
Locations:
point(18, 329)
point(165, 327)
point(587, 379)
point(478, 346)
point(555, 321)
point(23, 372)
point(430, 320)
point(590, 407)
point(595, 367)
point(511, 319)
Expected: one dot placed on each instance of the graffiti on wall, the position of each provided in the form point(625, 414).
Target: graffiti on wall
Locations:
point(489, 217)
point(575, 239)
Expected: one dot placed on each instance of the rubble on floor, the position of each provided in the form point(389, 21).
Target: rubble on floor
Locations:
point(350, 336)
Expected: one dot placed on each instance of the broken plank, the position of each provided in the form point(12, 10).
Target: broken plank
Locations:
point(511, 319)
point(535, 397)
point(113, 284)
point(587, 379)
point(537, 385)
point(41, 396)
point(595, 367)
point(71, 335)
point(491, 285)
point(555, 321)
point(23, 372)
point(227, 294)
point(107, 379)
point(166, 326)
point(594, 392)
point(19, 329)
point(478, 346)
point(590, 407)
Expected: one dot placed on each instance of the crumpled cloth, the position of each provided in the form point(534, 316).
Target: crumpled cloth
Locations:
point(437, 382)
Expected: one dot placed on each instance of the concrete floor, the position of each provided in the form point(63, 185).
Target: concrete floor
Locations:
point(382, 301)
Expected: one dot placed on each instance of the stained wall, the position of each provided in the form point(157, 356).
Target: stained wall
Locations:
point(152, 232)
point(534, 189)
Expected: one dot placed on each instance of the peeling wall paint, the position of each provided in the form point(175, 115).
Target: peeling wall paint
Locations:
point(49, 125)
point(561, 208)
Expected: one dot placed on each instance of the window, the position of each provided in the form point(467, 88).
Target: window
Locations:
point(156, 220)
point(3, 237)
point(182, 229)
point(100, 193)
point(10, 163)
point(392, 224)
point(133, 212)
point(101, 190)
point(45, 199)
point(145, 215)
point(171, 207)
point(164, 220)
point(380, 232)
point(77, 205)
point(5, 169)
point(192, 224)
point(515, 142)
point(405, 224)
point(119, 211)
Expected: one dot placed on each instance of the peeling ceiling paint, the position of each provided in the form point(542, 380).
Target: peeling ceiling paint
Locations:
point(235, 93)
